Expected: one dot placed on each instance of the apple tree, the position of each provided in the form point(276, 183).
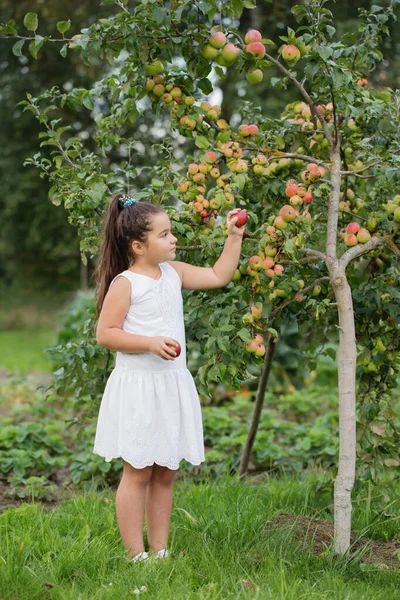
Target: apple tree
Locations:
point(320, 185)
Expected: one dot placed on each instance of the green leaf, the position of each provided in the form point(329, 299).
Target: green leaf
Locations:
point(157, 183)
point(88, 102)
point(274, 333)
point(63, 50)
point(9, 28)
point(237, 6)
point(35, 46)
point(205, 85)
point(324, 52)
point(31, 21)
point(249, 3)
point(244, 335)
point(202, 142)
point(63, 26)
point(18, 47)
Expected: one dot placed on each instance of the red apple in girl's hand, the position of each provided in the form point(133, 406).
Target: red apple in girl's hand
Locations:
point(242, 218)
point(176, 347)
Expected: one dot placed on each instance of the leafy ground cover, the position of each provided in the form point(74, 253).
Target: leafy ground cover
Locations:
point(46, 443)
point(221, 546)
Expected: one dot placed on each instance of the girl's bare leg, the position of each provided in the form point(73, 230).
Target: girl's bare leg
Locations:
point(130, 506)
point(159, 506)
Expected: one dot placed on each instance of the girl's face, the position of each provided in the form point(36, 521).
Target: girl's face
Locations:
point(161, 242)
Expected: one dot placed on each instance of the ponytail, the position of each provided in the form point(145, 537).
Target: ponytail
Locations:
point(121, 226)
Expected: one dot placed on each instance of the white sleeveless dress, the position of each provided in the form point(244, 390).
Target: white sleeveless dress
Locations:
point(150, 411)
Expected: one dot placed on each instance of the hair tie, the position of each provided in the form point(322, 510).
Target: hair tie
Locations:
point(125, 201)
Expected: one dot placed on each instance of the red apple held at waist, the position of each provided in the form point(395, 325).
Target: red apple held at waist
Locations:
point(242, 218)
point(177, 348)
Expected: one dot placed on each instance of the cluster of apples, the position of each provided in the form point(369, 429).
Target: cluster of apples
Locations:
point(392, 209)
point(300, 114)
point(349, 202)
point(194, 186)
point(298, 193)
point(312, 173)
point(225, 53)
point(256, 346)
point(354, 234)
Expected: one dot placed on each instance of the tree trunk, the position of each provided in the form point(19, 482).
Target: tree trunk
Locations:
point(262, 384)
point(347, 359)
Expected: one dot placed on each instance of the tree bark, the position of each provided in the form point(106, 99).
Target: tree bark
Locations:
point(347, 360)
point(262, 384)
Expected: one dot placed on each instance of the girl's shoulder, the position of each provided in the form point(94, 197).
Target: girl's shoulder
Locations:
point(177, 266)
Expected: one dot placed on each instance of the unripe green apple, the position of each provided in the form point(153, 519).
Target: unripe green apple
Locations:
point(237, 275)
point(316, 290)
point(255, 76)
point(209, 52)
point(363, 236)
point(248, 319)
point(158, 90)
point(150, 83)
point(154, 68)
point(372, 224)
point(379, 345)
point(396, 215)
point(270, 251)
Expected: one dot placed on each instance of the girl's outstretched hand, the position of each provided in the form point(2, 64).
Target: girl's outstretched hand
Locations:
point(231, 219)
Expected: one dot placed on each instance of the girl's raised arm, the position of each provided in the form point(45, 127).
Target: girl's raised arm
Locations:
point(207, 278)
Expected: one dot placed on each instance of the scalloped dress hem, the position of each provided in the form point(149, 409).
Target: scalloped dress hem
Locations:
point(141, 465)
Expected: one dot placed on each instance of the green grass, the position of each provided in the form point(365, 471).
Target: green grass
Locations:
point(23, 349)
point(217, 541)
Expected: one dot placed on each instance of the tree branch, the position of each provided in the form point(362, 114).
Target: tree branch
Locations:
point(376, 162)
point(316, 254)
point(358, 250)
point(304, 157)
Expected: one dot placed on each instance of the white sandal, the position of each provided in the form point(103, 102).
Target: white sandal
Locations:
point(163, 553)
point(141, 556)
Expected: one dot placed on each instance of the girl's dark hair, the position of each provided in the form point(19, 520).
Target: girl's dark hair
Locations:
point(120, 227)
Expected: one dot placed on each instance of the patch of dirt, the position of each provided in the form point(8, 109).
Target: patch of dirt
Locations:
point(320, 532)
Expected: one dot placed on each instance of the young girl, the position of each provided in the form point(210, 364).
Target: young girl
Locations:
point(150, 413)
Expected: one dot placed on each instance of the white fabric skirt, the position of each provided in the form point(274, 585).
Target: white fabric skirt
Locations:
point(148, 418)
